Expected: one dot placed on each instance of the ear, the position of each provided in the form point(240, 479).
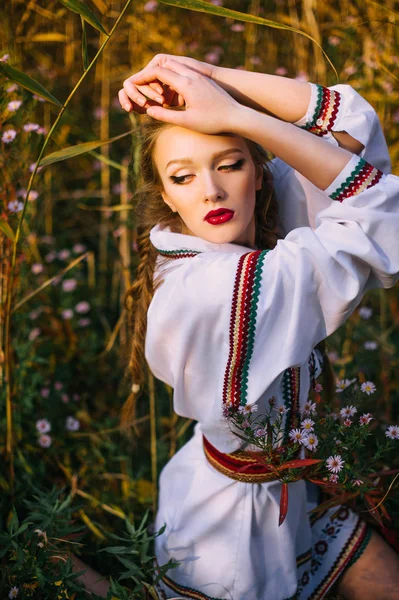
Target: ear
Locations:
point(168, 202)
point(259, 177)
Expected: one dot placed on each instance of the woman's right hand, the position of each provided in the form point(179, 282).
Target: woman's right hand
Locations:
point(207, 107)
point(131, 93)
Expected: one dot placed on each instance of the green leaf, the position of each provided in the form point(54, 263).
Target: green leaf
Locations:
point(23, 527)
point(72, 151)
point(108, 161)
point(85, 56)
point(77, 6)
point(27, 82)
point(212, 9)
point(6, 229)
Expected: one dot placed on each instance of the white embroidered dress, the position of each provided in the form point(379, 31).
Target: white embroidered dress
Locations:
point(338, 244)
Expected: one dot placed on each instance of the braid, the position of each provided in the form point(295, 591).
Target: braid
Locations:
point(137, 300)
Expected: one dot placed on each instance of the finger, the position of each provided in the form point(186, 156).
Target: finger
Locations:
point(175, 117)
point(171, 76)
point(147, 91)
point(138, 93)
point(124, 100)
point(128, 105)
point(157, 87)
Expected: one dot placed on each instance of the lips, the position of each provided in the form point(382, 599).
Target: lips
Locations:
point(219, 216)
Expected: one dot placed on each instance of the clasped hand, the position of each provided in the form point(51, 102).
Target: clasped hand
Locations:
point(199, 103)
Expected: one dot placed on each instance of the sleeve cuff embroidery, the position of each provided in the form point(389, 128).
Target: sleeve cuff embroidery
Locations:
point(322, 111)
point(356, 177)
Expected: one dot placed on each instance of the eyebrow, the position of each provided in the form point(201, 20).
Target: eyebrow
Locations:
point(216, 155)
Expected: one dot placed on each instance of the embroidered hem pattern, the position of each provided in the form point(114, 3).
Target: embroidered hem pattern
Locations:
point(242, 327)
point(361, 178)
point(183, 253)
point(325, 112)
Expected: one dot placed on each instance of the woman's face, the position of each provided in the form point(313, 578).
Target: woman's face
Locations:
point(202, 173)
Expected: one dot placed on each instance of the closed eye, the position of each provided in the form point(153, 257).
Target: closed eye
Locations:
point(234, 167)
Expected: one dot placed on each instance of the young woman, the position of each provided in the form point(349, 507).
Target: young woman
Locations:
point(235, 313)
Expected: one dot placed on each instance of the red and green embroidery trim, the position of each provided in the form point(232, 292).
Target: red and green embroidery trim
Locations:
point(291, 389)
point(183, 253)
point(326, 111)
point(353, 547)
point(242, 327)
point(362, 177)
point(186, 591)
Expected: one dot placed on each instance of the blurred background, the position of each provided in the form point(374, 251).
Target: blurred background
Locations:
point(67, 464)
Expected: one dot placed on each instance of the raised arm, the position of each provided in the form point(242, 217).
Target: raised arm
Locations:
point(311, 156)
point(281, 97)
point(210, 109)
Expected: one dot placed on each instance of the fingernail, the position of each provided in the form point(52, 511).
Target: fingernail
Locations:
point(159, 99)
point(140, 101)
point(126, 107)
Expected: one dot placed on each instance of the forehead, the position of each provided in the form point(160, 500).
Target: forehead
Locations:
point(177, 142)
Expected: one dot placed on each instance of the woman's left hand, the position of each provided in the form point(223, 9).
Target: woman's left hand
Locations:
point(208, 108)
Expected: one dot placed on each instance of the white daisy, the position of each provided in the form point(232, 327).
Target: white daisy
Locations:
point(307, 424)
point(309, 408)
point(392, 432)
point(348, 411)
point(311, 442)
point(8, 136)
point(342, 384)
point(43, 426)
point(298, 435)
point(13, 593)
point(72, 424)
point(15, 206)
point(14, 105)
point(368, 387)
point(31, 127)
point(44, 440)
point(247, 409)
point(335, 463)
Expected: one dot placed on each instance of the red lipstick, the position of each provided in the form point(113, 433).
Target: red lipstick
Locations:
point(221, 215)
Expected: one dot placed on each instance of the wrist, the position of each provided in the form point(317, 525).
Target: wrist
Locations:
point(238, 118)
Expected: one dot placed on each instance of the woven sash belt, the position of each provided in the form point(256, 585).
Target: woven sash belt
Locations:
point(229, 464)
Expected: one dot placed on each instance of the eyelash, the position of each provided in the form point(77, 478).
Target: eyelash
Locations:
point(236, 166)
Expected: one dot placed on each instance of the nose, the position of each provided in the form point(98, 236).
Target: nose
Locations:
point(213, 189)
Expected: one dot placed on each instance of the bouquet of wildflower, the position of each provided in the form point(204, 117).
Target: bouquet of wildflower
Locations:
point(346, 473)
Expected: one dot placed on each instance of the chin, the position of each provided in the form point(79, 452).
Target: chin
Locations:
point(226, 237)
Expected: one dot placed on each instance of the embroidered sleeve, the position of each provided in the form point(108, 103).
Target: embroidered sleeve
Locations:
point(342, 108)
point(323, 110)
point(356, 177)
